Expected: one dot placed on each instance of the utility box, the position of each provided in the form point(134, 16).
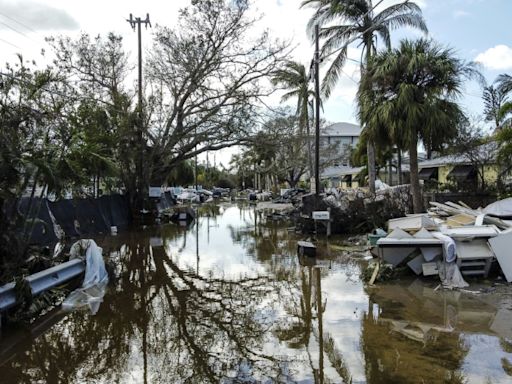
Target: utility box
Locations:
point(305, 248)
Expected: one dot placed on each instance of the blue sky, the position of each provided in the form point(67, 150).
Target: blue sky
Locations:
point(473, 29)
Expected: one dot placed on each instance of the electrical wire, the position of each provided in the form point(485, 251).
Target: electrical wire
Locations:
point(17, 22)
point(39, 41)
point(14, 29)
point(11, 44)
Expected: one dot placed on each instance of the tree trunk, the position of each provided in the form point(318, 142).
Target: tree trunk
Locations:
point(399, 170)
point(390, 172)
point(415, 180)
point(370, 147)
point(370, 151)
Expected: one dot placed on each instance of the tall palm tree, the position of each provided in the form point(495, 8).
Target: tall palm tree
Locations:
point(495, 98)
point(412, 91)
point(295, 79)
point(346, 21)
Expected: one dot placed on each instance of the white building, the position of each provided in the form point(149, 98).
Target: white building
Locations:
point(343, 136)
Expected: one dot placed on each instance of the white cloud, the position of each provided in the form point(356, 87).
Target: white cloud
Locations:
point(496, 58)
point(460, 13)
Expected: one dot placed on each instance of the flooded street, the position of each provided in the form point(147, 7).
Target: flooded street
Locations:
point(227, 300)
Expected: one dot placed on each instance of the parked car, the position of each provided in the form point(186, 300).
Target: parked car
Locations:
point(188, 196)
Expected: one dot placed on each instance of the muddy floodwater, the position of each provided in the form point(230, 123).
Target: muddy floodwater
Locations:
point(227, 300)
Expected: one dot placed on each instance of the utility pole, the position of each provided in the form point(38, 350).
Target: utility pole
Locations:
point(136, 22)
point(317, 114)
point(195, 161)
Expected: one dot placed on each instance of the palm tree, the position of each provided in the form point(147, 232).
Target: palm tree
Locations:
point(295, 79)
point(412, 90)
point(495, 98)
point(347, 21)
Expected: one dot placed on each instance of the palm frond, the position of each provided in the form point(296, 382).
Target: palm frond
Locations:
point(403, 8)
point(334, 72)
point(405, 20)
point(504, 82)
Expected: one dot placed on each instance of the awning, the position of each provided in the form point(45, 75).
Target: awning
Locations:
point(428, 173)
point(462, 172)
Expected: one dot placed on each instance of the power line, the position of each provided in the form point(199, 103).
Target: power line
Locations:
point(21, 32)
point(6, 42)
point(18, 22)
point(14, 29)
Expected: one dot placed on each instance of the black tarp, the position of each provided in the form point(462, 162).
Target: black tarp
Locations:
point(43, 232)
point(462, 172)
point(428, 173)
point(90, 217)
point(116, 210)
point(77, 217)
point(165, 201)
point(65, 214)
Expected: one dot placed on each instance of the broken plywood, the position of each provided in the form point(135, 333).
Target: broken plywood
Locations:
point(471, 232)
point(411, 223)
point(476, 249)
point(430, 269)
point(423, 234)
point(399, 233)
point(416, 264)
point(460, 220)
point(502, 248)
point(395, 256)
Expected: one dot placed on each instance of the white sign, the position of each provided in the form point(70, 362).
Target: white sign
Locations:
point(321, 215)
point(156, 241)
point(155, 191)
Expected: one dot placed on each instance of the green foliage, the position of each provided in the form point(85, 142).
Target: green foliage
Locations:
point(357, 20)
point(408, 95)
point(504, 138)
point(494, 100)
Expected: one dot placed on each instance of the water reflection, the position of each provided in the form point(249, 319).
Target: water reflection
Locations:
point(226, 299)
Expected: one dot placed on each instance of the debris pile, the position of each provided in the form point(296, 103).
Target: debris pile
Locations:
point(451, 240)
point(357, 211)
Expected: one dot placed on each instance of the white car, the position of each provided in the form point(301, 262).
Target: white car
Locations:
point(188, 196)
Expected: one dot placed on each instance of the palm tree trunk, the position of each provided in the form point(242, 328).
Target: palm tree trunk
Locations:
point(370, 151)
point(415, 180)
point(370, 147)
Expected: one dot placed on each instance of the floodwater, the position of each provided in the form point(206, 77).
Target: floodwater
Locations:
point(226, 300)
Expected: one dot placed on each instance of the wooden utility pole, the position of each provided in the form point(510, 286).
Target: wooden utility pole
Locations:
point(317, 114)
point(136, 22)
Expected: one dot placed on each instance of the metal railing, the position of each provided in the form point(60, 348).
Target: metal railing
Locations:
point(42, 281)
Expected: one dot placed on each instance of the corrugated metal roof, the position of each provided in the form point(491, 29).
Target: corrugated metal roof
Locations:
point(460, 159)
point(444, 160)
point(342, 129)
point(331, 172)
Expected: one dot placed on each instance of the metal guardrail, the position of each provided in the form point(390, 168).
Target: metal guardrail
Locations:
point(42, 281)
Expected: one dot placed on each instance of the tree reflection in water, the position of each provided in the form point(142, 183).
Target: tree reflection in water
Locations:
point(163, 324)
point(171, 317)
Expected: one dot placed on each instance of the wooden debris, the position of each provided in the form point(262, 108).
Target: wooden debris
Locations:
point(375, 273)
point(430, 269)
point(460, 220)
